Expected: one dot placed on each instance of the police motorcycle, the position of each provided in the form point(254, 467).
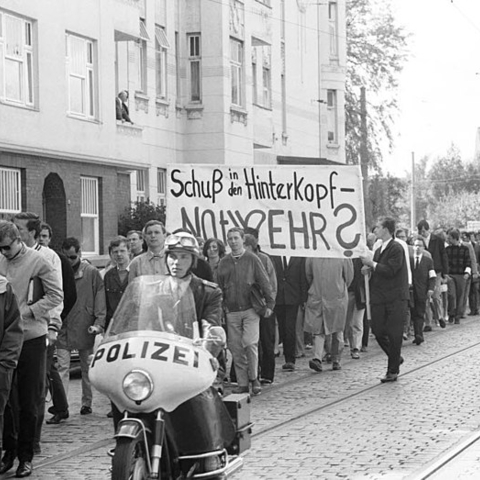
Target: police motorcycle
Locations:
point(157, 370)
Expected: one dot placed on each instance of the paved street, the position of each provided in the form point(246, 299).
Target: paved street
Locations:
point(361, 429)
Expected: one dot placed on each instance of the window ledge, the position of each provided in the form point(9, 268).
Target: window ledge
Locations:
point(128, 129)
point(141, 102)
point(333, 146)
point(238, 114)
point(194, 111)
point(162, 107)
point(269, 109)
point(83, 119)
point(19, 105)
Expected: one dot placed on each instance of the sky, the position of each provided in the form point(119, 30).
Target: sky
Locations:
point(439, 94)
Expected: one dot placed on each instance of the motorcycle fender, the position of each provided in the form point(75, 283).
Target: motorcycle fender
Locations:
point(130, 428)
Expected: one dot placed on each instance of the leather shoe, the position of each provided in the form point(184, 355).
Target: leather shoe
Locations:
point(289, 367)
point(427, 328)
point(24, 470)
point(57, 418)
point(85, 410)
point(7, 462)
point(442, 323)
point(256, 387)
point(389, 377)
point(315, 364)
point(418, 340)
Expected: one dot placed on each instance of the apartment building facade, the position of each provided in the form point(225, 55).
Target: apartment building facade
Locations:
point(209, 81)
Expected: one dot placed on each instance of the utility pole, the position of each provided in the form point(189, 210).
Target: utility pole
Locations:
point(364, 156)
point(413, 206)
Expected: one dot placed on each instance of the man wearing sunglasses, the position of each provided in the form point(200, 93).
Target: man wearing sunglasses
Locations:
point(38, 290)
point(86, 319)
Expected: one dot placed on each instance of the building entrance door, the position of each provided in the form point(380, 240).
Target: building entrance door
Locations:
point(55, 208)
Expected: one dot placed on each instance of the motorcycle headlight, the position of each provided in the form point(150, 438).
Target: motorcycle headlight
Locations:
point(137, 385)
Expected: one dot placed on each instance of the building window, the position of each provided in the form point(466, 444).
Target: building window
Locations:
point(10, 190)
point(161, 185)
point(177, 68)
point(332, 25)
point(89, 214)
point(81, 76)
point(267, 86)
point(254, 75)
point(236, 71)
point(16, 60)
point(141, 185)
point(194, 59)
point(141, 60)
point(332, 135)
point(161, 46)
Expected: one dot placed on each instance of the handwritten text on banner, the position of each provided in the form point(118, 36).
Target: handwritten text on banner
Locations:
point(309, 211)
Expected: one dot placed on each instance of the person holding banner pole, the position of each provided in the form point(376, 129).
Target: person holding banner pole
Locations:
point(389, 291)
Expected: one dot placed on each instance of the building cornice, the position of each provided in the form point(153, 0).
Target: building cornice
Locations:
point(77, 157)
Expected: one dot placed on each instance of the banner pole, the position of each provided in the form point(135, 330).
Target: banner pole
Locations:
point(367, 296)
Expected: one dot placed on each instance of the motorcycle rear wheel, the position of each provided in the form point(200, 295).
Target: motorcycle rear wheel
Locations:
point(130, 460)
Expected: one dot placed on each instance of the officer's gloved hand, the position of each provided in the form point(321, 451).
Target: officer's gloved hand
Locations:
point(215, 338)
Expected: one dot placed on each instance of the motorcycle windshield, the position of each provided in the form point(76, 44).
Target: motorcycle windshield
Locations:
point(158, 303)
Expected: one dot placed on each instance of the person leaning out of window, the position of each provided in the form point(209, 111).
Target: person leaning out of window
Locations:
point(121, 107)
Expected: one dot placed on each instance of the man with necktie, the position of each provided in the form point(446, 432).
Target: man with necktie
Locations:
point(291, 294)
point(424, 277)
point(389, 294)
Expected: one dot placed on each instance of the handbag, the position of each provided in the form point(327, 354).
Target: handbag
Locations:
point(258, 302)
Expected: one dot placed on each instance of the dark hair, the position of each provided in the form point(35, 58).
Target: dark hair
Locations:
point(251, 241)
point(388, 223)
point(400, 230)
point(252, 231)
point(33, 221)
point(423, 224)
point(46, 226)
point(220, 245)
point(116, 242)
point(70, 242)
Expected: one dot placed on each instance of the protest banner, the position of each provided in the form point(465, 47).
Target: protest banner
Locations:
point(305, 211)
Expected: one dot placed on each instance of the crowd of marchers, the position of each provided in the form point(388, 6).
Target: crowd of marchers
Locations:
point(55, 303)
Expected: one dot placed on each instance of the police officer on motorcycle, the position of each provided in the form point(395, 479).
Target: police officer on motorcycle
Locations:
point(181, 255)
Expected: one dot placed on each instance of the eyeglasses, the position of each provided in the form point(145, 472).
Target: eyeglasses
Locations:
point(6, 248)
point(183, 240)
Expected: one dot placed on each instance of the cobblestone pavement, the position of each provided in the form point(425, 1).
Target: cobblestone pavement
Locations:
point(365, 430)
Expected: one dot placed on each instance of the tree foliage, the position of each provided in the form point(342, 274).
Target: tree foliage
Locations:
point(387, 195)
point(138, 214)
point(376, 53)
point(446, 193)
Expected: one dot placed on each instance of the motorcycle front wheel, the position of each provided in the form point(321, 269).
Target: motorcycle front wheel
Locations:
point(130, 460)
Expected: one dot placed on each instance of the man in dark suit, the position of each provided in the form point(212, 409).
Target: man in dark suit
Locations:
point(436, 246)
point(291, 293)
point(423, 274)
point(388, 294)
